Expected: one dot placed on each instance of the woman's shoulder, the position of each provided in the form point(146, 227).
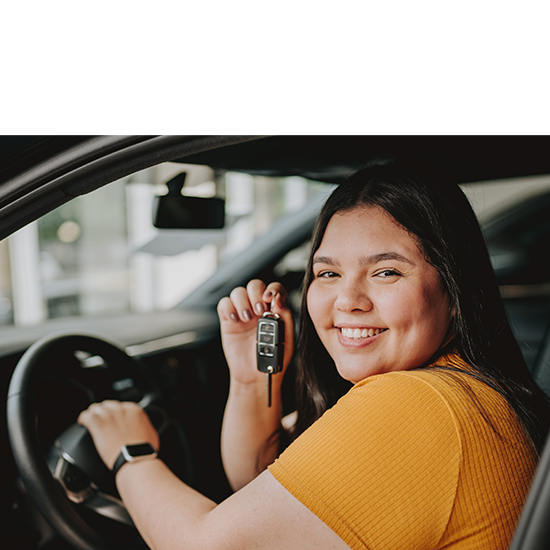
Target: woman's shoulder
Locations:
point(404, 402)
point(442, 378)
point(446, 376)
point(477, 410)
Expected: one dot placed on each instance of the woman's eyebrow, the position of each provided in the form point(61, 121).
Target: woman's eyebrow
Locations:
point(366, 260)
point(384, 256)
point(323, 260)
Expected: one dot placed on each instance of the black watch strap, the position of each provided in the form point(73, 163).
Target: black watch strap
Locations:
point(119, 462)
point(133, 453)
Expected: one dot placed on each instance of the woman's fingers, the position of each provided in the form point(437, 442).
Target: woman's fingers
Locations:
point(255, 290)
point(240, 311)
point(113, 424)
point(227, 311)
point(271, 291)
point(241, 303)
point(236, 307)
point(246, 304)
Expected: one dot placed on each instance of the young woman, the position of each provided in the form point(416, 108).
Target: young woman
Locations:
point(436, 442)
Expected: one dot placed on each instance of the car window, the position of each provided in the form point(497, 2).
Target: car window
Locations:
point(100, 254)
point(515, 216)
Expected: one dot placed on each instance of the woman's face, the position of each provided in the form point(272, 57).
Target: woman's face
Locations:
point(376, 303)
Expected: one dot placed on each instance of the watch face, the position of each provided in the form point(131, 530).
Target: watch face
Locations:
point(143, 449)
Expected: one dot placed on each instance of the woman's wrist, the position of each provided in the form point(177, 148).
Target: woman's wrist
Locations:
point(256, 389)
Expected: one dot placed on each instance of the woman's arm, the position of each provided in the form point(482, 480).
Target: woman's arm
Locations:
point(263, 515)
point(249, 438)
point(170, 515)
point(247, 445)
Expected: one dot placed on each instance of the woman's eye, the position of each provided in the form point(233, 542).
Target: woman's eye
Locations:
point(387, 273)
point(326, 274)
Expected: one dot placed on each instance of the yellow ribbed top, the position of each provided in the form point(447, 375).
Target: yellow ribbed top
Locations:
point(406, 461)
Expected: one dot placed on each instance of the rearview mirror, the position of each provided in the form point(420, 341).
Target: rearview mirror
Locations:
point(177, 211)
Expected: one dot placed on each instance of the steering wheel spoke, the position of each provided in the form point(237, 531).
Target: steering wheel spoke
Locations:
point(77, 485)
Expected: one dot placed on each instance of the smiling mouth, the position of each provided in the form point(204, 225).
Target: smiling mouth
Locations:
point(360, 333)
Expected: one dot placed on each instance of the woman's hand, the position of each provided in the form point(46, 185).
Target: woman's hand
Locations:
point(113, 424)
point(239, 314)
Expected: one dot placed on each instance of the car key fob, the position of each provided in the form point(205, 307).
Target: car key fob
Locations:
point(270, 347)
point(270, 339)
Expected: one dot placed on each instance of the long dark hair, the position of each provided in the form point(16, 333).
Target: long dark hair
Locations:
point(435, 210)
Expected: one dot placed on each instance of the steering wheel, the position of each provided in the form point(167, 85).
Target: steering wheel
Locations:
point(72, 476)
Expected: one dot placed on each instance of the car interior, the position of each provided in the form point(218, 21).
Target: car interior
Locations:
point(195, 233)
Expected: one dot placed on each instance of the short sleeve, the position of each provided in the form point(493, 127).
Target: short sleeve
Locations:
point(381, 467)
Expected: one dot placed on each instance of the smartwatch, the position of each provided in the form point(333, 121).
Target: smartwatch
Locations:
point(133, 453)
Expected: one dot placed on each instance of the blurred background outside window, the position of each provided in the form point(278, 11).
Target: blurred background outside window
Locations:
point(100, 254)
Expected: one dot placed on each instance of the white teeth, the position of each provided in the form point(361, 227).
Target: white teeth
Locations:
point(357, 333)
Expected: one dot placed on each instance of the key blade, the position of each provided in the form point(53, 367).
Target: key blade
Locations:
point(268, 390)
point(268, 387)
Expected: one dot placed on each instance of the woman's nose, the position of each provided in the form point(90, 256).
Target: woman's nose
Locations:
point(353, 297)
